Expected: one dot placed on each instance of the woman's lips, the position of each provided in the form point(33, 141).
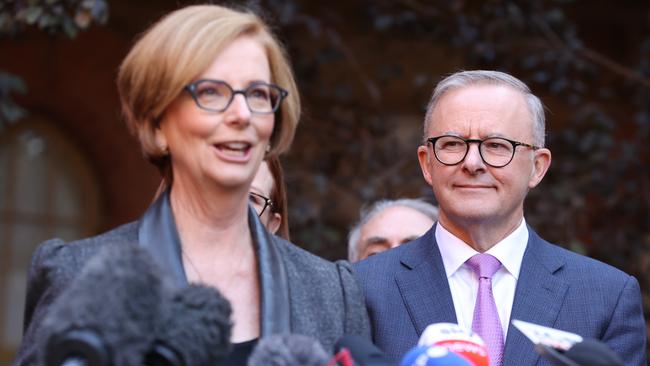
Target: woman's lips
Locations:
point(234, 151)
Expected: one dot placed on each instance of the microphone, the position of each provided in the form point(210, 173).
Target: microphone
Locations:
point(433, 356)
point(458, 340)
point(288, 350)
point(563, 348)
point(194, 328)
point(362, 352)
point(106, 315)
point(595, 353)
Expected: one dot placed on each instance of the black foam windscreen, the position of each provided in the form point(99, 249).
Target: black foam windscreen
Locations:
point(288, 350)
point(194, 328)
point(363, 351)
point(593, 353)
point(589, 352)
point(107, 312)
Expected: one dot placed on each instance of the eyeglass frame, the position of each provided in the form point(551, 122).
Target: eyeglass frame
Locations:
point(191, 88)
point(267, 202)
point(514, 143)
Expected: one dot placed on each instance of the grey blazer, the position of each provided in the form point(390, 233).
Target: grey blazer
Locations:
point(300, 292)
point(406, 289)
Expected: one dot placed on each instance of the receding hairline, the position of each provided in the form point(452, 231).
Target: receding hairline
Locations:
point(465, 79)
point(373, 210)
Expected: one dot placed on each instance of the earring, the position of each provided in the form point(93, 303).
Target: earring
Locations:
point(268, 148)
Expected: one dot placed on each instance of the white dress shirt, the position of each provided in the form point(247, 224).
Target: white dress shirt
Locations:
point(463, 282)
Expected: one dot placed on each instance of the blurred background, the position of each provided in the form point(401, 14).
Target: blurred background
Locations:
point(365, 69)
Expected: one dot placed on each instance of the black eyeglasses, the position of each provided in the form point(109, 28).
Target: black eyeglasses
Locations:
point(216, 95)
point(259, 202)
point(496, 152)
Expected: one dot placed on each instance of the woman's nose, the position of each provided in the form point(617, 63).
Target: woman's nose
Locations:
point(238, 111)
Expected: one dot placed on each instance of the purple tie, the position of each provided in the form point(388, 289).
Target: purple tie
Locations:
point(486, 318)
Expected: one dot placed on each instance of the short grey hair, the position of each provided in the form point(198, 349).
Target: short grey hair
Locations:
point(369, 212)
point(463, 79)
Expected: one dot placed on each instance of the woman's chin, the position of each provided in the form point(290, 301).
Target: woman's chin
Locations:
point(231, 179)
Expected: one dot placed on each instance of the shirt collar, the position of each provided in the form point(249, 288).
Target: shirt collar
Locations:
point(509, 251)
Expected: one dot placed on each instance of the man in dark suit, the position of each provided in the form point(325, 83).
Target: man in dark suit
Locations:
point(481, 266)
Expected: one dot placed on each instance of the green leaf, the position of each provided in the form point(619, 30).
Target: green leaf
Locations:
point(10, 112)
point(9, 83)
point(83, 19)
point(46, 21)
point(32, 14)
point(69, 28)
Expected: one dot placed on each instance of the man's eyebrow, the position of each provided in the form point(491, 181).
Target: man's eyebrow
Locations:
point(375, 240)
point(407, 239)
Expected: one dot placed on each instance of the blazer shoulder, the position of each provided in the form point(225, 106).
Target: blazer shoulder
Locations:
point(381, 267)
point(54, 265)
point(126, 232)
point(56, 257)
point(578, 265)
point(324, 293)
point(614, 300)
point(65, 259)
point(55, 262)
point(308, 273)
point(301, 260)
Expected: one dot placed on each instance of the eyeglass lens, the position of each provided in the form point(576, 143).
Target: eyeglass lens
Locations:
point(259, 202)
point(494, 151)
point(217, 95)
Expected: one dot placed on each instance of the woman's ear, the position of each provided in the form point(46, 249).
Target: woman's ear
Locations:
point(161, 140)
point(273, 222)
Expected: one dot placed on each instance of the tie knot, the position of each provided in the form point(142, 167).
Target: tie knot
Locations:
point(484, 265)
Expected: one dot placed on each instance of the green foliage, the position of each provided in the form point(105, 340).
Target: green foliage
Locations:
point(10, 112)
point(53, 16)
point(592, 68)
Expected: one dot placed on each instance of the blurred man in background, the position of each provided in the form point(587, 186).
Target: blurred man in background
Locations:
point(388, 223)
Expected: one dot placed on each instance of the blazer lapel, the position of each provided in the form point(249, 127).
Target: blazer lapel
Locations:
point(538, 299)
point(423, 285)
point(157, 233)
point(274, 283)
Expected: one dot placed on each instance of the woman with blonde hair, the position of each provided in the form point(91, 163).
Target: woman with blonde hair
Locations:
point(209, 93)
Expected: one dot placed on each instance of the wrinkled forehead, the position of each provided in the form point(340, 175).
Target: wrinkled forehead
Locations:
point(397, 222)
point(482, 111)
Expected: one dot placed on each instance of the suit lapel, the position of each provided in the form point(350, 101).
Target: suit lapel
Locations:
point(538, 299)
point(423, 285)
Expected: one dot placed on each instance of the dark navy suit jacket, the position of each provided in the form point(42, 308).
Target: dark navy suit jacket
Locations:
point(406, 289)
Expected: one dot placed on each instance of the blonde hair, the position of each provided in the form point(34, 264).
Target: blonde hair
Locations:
point(178, 48)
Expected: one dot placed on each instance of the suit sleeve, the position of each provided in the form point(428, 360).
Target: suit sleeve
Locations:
point(626, 333)
point(356, 316)
point(42, 288)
